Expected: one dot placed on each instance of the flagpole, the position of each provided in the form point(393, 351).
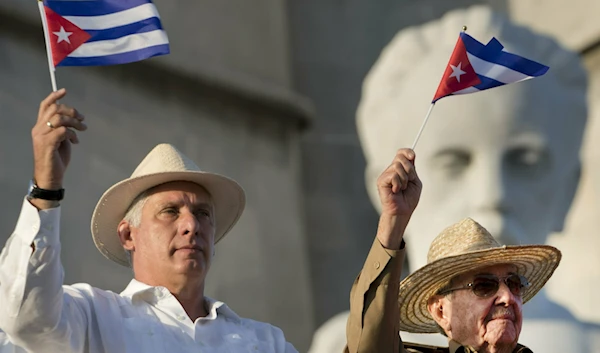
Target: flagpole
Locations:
point(48, 47)
point(423, 126)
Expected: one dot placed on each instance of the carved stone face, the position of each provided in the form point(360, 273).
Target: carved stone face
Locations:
point(507, 157)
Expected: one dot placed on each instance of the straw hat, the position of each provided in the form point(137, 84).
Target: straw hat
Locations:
point(460, 248)
point(162, 165)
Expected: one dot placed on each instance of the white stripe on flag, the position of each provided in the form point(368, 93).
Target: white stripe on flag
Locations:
point(466, 90)
point(121, 45)
point(117, 19)
point(495, 71)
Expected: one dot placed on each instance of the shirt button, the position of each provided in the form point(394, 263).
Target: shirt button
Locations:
point(180, 317)
point(377, 265)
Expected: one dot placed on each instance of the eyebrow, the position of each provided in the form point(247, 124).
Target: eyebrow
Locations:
point(202, 205)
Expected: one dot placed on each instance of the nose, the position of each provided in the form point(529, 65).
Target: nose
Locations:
point(488, 192)
point(189, 224)
point(504, 296)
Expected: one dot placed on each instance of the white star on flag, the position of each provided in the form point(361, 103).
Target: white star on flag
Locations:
point(457, 71)
point(64, 35)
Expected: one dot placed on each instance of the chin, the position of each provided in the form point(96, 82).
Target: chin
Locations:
point(502, 333)
point(191, 267)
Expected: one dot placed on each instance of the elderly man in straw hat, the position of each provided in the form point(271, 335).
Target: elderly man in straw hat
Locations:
point(472, 289)
point(164, 220)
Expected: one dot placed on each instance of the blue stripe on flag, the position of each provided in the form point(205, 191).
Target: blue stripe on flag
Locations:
point(91, 7)
point(116, 59)
point(494, 55)
point(487, 82)
point(147, 25)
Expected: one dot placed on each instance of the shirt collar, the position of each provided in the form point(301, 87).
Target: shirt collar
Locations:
point(137, 290)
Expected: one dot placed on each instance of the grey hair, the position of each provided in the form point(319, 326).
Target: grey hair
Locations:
point(134, 216)
point(134, 212)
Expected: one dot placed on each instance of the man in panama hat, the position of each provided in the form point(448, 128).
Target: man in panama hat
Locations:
point(163, 222)
point(472, 289)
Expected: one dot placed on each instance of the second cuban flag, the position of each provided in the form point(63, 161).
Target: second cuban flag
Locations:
point(475, 67)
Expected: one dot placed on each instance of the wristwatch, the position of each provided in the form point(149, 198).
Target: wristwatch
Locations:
point(36, 193)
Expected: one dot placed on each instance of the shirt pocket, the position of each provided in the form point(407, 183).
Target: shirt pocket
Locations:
point(144, 336)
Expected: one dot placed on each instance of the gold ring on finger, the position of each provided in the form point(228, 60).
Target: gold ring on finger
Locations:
point(49, 124)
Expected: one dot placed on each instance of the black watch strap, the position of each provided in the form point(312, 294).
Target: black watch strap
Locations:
point(52, 195)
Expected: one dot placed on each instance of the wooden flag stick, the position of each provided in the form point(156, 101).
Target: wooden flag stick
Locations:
point(423, 125)
point(48, 47)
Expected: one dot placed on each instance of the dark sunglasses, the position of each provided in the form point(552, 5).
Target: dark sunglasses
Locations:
point(485, 286)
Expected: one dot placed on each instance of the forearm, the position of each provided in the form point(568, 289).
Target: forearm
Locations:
point(373, 321)
point(32, 276)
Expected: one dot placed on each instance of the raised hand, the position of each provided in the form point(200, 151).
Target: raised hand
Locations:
point(52, 136)
point(399, 190)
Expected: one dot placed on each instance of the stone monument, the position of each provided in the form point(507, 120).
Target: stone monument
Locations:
point(507, 157)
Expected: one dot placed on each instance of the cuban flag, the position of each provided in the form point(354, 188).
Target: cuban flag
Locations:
point(103, 32)
point(474, 67)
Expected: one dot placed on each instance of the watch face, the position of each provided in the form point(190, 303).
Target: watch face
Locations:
point(31, 186)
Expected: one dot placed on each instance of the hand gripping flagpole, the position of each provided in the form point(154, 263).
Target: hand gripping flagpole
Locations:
point(48, 46)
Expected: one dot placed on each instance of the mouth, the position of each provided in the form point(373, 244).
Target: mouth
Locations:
point(503, 317)
point(191, 249)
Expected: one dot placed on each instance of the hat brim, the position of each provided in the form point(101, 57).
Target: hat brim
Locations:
point(227, 196)
point(536, 262)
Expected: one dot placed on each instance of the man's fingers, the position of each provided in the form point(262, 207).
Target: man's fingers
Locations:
point(392, 179)
point(50, 100)
point(400, 171)
point(66, 111)
point(61, 134)
point(396, 183)
point(406, 152)
point(69, 111)
point(58, 120)
point(72, 136)
point(408, 167)
point(47, 114)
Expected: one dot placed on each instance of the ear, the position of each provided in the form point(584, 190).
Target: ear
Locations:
point(124, 231)
point(567, 194)
point(437, 308)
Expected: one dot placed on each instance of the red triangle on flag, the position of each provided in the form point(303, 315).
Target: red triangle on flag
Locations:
point(459, 74)
point(64, 35)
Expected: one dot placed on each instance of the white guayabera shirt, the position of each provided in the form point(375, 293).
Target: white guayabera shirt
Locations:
point(39, 314)
point(7, 347)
